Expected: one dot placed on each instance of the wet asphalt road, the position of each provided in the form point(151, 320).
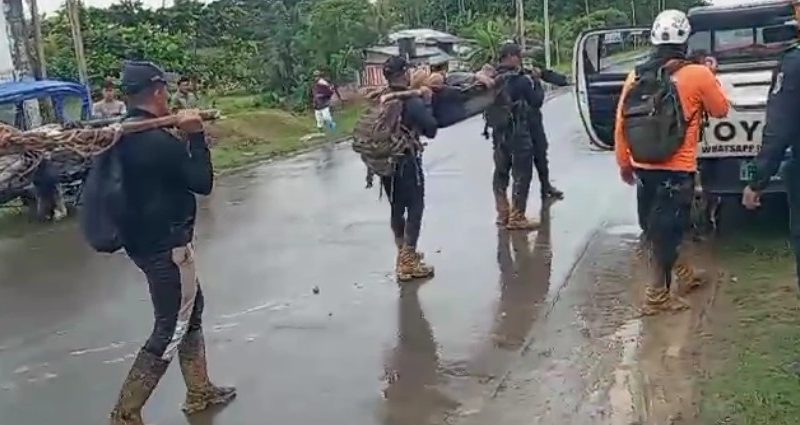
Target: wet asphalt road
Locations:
point(362, 350)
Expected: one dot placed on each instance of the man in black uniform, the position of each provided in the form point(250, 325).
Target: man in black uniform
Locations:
point(406, 188)
point(782, 131)
point(162, 174)
point(509, 118)
point(548, 191)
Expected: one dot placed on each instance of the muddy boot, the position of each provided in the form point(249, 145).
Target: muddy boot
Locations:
point(200, 392)
point(142, 379)
point(411, 267)
point(502, 207)
point(660, 300)
point(518, 221)
point(551, 193)
point(688, 277)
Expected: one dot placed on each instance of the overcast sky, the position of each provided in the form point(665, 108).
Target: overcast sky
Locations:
point(52, 5)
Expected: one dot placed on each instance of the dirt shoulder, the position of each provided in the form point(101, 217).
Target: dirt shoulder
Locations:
point(751, 358)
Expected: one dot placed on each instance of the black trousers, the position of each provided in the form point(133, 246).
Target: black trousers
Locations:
point(176, 296)
point(513, 157)
point(540, 146)
point(792, 180)
point(664, 204)
point(406, 192)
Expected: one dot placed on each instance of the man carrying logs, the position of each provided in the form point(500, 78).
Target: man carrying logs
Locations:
point(161, 177)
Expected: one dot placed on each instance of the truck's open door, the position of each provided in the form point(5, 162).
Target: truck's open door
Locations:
point(602, 60)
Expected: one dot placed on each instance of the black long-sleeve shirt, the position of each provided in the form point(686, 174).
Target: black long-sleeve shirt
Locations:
point(554, 78)
point(417, 115)
point(520, 87)
point(782, 129)
point(162, 174)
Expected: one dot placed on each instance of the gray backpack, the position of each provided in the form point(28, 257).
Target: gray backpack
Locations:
point(654, 122)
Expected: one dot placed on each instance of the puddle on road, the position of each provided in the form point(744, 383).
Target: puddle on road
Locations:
point(605, 364)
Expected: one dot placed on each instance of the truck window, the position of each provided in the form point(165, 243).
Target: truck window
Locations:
point(742, 44)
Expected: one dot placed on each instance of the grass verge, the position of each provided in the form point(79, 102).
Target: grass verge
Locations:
point(249, 136)
point(753, 361)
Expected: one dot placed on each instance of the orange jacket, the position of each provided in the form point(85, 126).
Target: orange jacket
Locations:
point(699, 90)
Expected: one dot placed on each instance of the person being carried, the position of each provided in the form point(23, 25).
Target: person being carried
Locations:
point(109, 106)
point(509, 119)
point(162, 176)
point(662, 164)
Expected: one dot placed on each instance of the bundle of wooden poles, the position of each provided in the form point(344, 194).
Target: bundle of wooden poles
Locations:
point(87, 140)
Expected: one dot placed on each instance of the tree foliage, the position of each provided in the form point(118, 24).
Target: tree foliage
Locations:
point(273, 46)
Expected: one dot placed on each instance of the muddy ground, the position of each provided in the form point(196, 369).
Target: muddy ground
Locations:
point(513, 329)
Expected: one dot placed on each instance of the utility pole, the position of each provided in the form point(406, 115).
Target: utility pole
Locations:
point(547, 60)
point(521, 24)
point(73, 14)
point(41, 63)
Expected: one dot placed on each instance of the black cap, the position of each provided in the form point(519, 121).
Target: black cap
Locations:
point(510, 49)
point(394, 66)
point(137, 76)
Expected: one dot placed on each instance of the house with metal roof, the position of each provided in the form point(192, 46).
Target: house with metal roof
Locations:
point(425, 48)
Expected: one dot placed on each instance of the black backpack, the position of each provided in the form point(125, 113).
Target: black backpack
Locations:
point(654, 123)
point(103, 202)
point(500, 115)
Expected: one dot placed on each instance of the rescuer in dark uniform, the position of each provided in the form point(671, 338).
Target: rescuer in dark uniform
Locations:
point(508, 118)
point(548, 191)
point(782, 131)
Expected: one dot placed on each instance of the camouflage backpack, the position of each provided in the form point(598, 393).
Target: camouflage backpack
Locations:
point(380, 137)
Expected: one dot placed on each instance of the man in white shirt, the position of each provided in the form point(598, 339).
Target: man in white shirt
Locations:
point(109, 106)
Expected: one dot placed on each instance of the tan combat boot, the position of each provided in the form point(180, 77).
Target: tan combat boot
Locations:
point(688, 277)
point(660, 300)
point(518, 221)
point(200, 392)
point(411, 267)
point(142, 379)
point(502, 207)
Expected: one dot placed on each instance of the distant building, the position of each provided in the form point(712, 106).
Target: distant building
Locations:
point(425, 48)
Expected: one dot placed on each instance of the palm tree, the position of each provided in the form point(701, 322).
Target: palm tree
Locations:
point(488, 37)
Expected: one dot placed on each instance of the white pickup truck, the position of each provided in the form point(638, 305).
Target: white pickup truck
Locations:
point(745, 40)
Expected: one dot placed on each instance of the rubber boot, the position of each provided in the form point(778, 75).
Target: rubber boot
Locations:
point(200, 392)
point(142, 379)
point(518, 221)
point(410, 266)
point(502, 207)
point(660, 300)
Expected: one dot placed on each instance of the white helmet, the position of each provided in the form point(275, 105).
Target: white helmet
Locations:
point(670, 27)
